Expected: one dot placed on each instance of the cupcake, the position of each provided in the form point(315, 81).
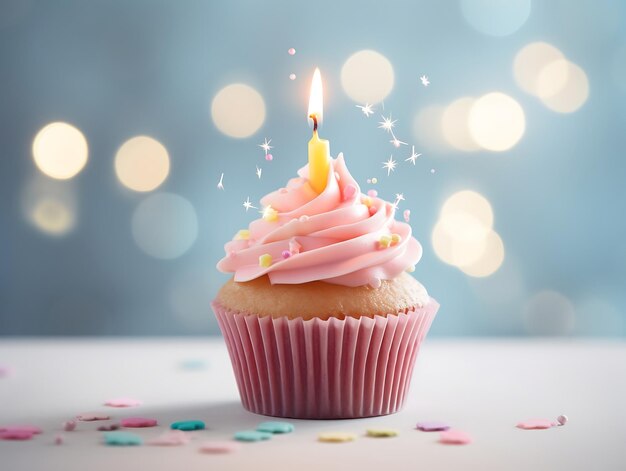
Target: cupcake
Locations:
point(322, 319)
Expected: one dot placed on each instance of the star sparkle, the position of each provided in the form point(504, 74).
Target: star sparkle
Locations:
point(248, 205)
point(266, 145)
point(399, 197)
point(413, 157)
point(387, 124)
point(220, 184)
point(425, 80)
point(397, 142)
point(259, 171)
point(367, 109)
point(390, 165)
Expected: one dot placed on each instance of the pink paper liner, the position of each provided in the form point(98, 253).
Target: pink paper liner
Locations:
point(324, 369)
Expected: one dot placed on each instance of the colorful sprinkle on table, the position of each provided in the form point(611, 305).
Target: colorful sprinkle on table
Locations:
point(381, 432)
point(92, 416)
point(454, 437)
point(69, 426)
point(432, 426)
point(32, 429)
point(275, 427)
point(123, 402)
point(122, 439)
point(252, 436)
point(336, 437)
point(108, 427)
point(171, 438)
point(5, 371)
point(535, 424)
point(138, 422)
point(16, 435)
point(188, 425)
point(562, 419)
point(59, 440)
point(193, 364)
point(219, 447)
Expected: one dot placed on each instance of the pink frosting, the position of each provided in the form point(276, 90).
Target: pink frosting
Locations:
point(332, 236)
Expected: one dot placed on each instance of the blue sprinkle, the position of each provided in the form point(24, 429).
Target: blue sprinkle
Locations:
point(275, 427)
point(252, 436)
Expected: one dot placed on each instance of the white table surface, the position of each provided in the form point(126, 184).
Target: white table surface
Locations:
point(482, 387)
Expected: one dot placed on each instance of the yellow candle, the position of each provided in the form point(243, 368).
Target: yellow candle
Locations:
point(319, 149)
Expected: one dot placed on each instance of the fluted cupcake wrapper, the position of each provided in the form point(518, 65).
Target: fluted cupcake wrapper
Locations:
point(324, 369)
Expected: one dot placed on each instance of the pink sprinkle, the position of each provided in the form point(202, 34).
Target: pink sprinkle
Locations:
point(294, 247)
point(16, 435)
point(171, 438)
point(454, 437)
point(304, 218)
point(269, 157)
point(123, 402)
point(407, 215)
point(91, 416)
point(372, 193)
point(32, 429)
point(69, 426)
point(5, 371)
point(286, 253)
point(349, 191)
point(219, 447)
point(138, 422)
point(535, 424)
point(372, 210)
point(108, 428)
point(291, 51)
point(292, 76)
point(59, 440)
point(231, 254)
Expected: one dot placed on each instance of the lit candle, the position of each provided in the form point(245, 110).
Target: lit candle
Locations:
point(319, 149)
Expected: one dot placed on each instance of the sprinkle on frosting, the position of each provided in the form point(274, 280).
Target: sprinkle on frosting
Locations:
point(410, 269)
point(265, 260)
point(243, 234)
point(396, 239)
point(270, 214)
point(286, 253)
point(334, 235)
point(384, 241)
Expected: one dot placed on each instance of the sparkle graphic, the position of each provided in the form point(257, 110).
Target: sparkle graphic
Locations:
point(259, 171)
point(425, 80)
point(220, 184)
point(387, 124)
point(247, 204)
point(397, 143)
point(367, 109)
point(399, 197)
point(390, 165)
point(413, 157)
point(267, 211)
point(266, 145)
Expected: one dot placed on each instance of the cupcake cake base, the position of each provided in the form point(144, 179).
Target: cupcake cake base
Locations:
point(324, 368)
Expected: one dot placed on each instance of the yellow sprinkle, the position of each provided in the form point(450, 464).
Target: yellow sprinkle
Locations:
point(411, 269)
point(270, 214)
point(381, 432)
point(384, 241)
point(265, 260)
point(395, 239)
point(374, 180)
point(336, 437)
point(367, 201)
point(243, 234)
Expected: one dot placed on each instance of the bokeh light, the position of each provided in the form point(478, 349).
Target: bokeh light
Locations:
point(563, 86)
point(549, 313)
point(463, 235)
point(490, 260)
point(455, 126)
point(165, 225)
point(529, 62)
point(50, 206)
point(60, 150)
point(496, 122)
point(428, 130)
point(496, 17)
point(468, 203)
point(238, 110)
point(367, 77)
point(142, 163)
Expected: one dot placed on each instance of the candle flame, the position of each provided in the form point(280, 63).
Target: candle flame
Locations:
point(316, 99)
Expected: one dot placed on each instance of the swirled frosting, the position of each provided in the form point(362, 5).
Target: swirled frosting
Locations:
point(339, 236)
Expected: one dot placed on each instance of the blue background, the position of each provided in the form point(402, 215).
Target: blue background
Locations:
point(117, 69)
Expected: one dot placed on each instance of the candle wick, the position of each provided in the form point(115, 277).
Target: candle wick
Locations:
point(314, 118)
